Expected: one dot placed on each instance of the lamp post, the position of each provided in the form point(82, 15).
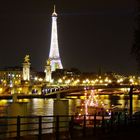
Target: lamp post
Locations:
point(131, 100)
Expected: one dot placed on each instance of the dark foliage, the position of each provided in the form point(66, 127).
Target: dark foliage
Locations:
point(135, 51)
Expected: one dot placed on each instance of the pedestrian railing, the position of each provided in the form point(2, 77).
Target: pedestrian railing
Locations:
point(62, 126)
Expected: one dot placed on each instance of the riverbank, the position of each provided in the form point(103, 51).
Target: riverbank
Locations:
point(127, 133)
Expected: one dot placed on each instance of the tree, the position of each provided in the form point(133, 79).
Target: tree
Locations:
point(135, 51)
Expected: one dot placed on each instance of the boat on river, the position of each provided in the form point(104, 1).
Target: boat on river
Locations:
point(93, 109)
point(91, 114)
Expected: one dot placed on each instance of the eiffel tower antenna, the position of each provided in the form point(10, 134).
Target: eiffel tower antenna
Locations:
point(54, 11)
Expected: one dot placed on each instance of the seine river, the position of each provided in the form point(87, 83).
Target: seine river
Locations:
point(45, 106)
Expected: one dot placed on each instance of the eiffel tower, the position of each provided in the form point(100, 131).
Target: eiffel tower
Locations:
point(54, 57)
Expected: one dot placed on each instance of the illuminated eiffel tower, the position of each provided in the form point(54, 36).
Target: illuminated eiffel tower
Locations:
point(54, 57)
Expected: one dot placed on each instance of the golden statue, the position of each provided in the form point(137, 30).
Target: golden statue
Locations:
point(49, 62)
point(27, 59)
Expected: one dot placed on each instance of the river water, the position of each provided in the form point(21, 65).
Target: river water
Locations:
point(45, 106)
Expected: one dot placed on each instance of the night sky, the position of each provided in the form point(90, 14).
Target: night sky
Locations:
point(93, 34)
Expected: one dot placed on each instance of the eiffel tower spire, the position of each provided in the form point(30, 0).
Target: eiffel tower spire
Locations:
point(54, 13)
point(54, 56)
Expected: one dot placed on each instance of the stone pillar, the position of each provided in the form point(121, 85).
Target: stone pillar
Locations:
point(26, 68)
point(61, 108)
point(17, 109)
point(48, 73)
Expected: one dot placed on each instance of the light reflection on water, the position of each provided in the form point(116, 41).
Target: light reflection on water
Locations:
point(41, 107)
point(45, 106)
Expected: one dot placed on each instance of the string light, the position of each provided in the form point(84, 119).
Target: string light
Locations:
point(91, 103)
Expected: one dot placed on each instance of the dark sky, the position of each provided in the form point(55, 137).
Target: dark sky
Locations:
point(93, 34)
